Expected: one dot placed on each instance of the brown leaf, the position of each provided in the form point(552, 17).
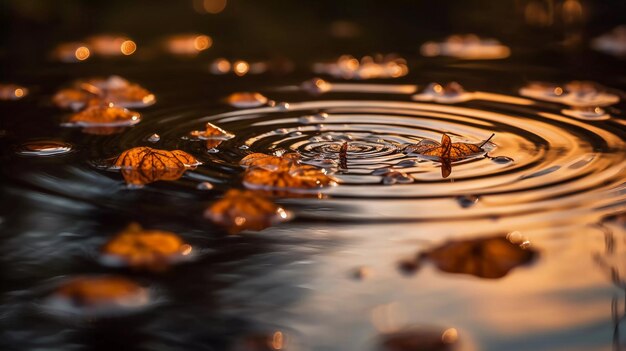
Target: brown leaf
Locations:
point(143, 165)
point(263, 160)
point(490, 258)
point(101, 293)
point(99, 91)
point(293, 177)
point(104, 116)
point(245, 210)
point(246, 100)
point(145, 249)
point(446, 151)
point(211, 132)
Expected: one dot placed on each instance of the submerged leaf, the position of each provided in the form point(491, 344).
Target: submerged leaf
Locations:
point(143, 165)
point(490, 258)
point(245, 210)
point(145, 249)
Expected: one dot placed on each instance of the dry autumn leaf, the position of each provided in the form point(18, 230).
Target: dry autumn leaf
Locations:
point(139, 248)
point(446, 152)
point(143, 165)
point(105, 119)
point(262, 160)
point(293, 178)
point(245, 210)
point(213, 135)
point(490, 258)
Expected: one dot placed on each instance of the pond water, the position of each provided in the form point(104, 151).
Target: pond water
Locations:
point(520, 247)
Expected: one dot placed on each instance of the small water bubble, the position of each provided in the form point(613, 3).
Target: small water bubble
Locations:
point(467, 201)
point(381, 171)
point(212, 151)
point(204, 186)
point(396, 177)
point(43, 148)
point(318, 117)
point(295, 134)
point(320, 127)
point(502, 160)
point(316, 86)
point(154, 138)
point(281, 131)
point(408, 163)
point(244, 147)
point(284, 106)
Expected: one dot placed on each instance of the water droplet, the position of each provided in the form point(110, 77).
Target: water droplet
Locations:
point(381, 171)
point(154, 138)
point(407, 163)
point(295, 134)
point(283, 106)
point(204, 186)
point(44, 148)
point(394, 177)
point(467, 201)
point(212, 151)
point(244, 147)
point(319, 117)
point(281, 131)
point(502, 160)
point(316, 86)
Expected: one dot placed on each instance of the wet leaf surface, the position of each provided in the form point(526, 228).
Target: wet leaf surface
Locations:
point(264, 160)
point(144, 165)
point(103, 116)
point(242, 210)
point(489, 258)
point(140, 248)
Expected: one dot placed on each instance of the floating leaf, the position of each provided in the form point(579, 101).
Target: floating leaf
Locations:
point(103, 116)
point(213, 135)
point(145, 249)
point(246, 100)
point(297, 177)
point(143, 165)
point(245, 210)
point(490, 258)
point(99, 295)
point(269, 161)
point(446, 152)
point(98, 91)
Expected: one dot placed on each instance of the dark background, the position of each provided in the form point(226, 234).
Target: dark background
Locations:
point(300, 29)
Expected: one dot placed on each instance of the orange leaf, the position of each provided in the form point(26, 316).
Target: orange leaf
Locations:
point(149, 249)
point(490, 258)
point(143, 165)
point(245, 210)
